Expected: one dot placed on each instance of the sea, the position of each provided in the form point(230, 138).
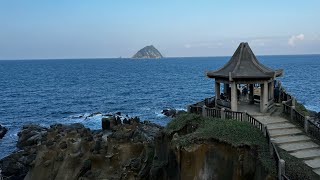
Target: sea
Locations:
point(46, 92)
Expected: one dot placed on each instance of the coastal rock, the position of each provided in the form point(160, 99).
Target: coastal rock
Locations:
point(148, 52)
point(169, 112)
point(75, 152)
point(31, 135)
point(130, 151)
point(172, 112)
point(3, 131)
point(16, 165)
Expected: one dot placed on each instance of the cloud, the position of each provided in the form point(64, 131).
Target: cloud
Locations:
point(292, 40)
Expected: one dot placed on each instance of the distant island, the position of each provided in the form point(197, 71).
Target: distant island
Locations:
point(148, 52)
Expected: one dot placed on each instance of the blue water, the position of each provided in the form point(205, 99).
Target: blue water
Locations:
point(49, 91)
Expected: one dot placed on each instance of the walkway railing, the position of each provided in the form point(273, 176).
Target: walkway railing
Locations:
point(255, 122)
point(212, 112)
point(244, 116)
point(286, 108)
point(305, 122)
point(314, 130)
point(298, 117)
point(195, 109)
point(234, 115)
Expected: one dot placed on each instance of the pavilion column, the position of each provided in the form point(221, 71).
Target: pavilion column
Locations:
point(217, 91)
point(264, 97)
point(269, 90)
point(234, 98)
point(251, 94)
point(272, 90)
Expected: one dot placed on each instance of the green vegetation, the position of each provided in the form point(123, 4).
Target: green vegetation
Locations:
point(295, 168)
point(232, 132)
point(301, 109)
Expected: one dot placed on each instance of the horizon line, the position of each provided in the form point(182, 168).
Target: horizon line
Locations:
point(86, 58)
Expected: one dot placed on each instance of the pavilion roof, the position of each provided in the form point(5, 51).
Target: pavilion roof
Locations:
point(244, 65)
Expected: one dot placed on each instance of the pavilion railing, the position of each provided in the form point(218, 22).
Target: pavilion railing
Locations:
point(209, 102)
point(223, 104)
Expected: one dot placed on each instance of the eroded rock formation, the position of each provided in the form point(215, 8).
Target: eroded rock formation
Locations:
point(134, 150)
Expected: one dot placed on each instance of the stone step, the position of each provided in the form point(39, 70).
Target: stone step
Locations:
point(314, 163)
point(307, 154)
point(317, 171)
point(284, 132)
point(280, 126)
point(299, 146)
point(290, 139)
point(269, 120)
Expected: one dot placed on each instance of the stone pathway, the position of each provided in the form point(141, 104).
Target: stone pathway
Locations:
point(292, 139)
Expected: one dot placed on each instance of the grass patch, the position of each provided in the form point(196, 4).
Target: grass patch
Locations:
point(181, 121)
point(231, 132)
point(302, 109)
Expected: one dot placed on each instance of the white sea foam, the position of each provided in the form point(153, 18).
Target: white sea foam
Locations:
point(159, 114)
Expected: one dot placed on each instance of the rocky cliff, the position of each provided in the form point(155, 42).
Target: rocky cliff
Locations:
point(148, 52)
point(130, 150)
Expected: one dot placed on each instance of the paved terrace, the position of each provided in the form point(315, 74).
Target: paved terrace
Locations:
point(287, 136)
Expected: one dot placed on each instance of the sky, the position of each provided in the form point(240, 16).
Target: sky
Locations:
point(37, 29)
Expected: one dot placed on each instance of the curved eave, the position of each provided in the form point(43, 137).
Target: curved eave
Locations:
point(215, 75)
point(279, 72)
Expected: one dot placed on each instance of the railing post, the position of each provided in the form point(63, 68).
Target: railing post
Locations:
point(292, 112)
point(281, 169)
point(271, 148)
point(245, 116)
point(204, 111)
point(306, 124)
point(188, 108)
point(264, 131)
point(283, 106)
point(293, 102)
point(223, 113)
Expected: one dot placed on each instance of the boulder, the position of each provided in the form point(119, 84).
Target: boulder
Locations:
point(118, 119)
point(169, 112)
point(31, 135)
point(108, 122)
point(16, 165)
point(3, 131)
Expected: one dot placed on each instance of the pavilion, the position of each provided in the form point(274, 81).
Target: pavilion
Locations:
point(244, 68)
